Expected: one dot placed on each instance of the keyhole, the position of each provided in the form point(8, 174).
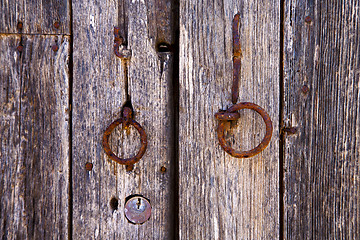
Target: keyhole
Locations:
point(138, 203)
point(137, 209)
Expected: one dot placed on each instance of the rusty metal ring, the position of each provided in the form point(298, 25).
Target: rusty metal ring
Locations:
point(143, 140)
point(263, 144)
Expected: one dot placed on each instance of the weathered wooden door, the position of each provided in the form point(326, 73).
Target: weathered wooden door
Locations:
point(62, 85)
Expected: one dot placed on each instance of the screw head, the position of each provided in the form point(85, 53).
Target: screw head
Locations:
point(55, 48)
point(88, 166)
point(137, 210)
point(19, 25)
point(163, 169)
point(305, 89)
point(56, 24)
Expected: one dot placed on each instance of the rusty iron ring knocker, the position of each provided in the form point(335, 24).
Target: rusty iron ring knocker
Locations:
point(231, 113)
point(127, 117)
point(126, 120)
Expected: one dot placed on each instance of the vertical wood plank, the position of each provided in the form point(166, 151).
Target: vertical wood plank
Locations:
point(35, 16)
point(222, 197)
point(34, 129)
point(322, 101)
point(99, 93)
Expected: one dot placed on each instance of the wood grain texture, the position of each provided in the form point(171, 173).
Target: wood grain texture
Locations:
point(322, 178)
point(36, 16)
point(222, 197)
point(99, 93)
point(34, 129)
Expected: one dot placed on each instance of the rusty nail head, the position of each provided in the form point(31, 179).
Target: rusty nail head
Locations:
point(305, 89)
point(308, 19)
point(163, 169)
point(137, 210)
point(20, 25)
point(56, 24)
point(88, 166)
point(55, 47)
point(20, 48)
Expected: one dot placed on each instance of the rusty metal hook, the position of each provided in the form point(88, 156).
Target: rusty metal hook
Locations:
point(231, 114)
point(118, 41)
point(126, 120)
point(127, 115)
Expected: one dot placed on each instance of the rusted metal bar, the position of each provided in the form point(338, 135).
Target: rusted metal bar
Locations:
point(127, 114)
point(236, 59)
point(290, 130)
point(227, 116)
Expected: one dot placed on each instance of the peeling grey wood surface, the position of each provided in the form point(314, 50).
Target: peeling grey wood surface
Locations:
point(222, 197)
point(34, 129)
point(37, 17)
point(322, 185)
point(99, 92)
